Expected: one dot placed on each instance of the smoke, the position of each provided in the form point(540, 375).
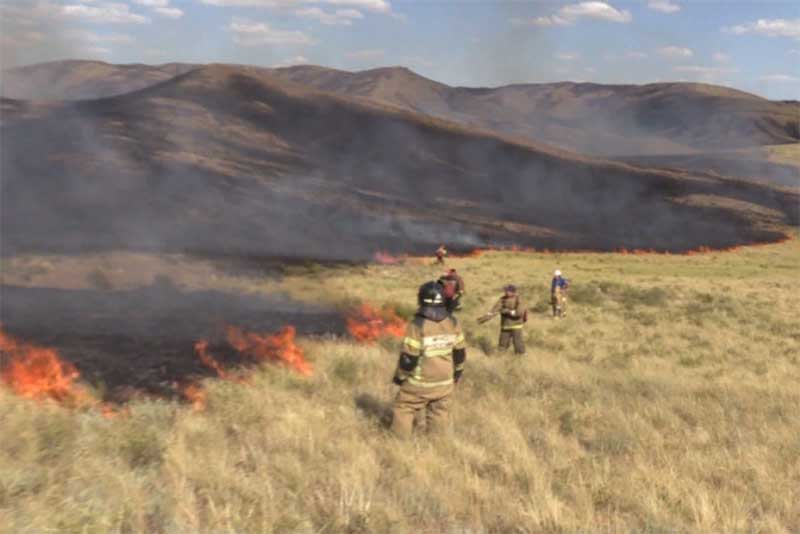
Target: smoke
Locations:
point(31, 32)
point(222, 162)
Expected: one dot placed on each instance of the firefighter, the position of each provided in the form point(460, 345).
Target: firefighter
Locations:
point(454, 289)
point(430, 364)
point(441, 252)
point(512, 316)
point(558, 295)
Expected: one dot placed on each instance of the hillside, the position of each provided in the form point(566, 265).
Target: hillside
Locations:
point(608, 120)
point(589, 118)
point(232, 160)
point(83, 80)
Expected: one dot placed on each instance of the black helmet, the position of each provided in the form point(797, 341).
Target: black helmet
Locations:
point(430, 294)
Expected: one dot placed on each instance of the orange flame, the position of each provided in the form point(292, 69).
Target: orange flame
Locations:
point(367, 324)
point(39, 373)
point(201, 349)
point(196, 395)
point(384, 258)
point(703, 249)
point(279, 347)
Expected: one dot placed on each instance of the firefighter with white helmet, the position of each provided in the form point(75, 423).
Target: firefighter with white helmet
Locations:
point(558, 294)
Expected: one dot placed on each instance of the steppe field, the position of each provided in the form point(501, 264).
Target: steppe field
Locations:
point(665, 402)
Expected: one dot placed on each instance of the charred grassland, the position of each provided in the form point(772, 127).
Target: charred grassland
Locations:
point(665, 401)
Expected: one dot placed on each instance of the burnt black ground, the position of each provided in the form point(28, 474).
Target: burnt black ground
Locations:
point(143, 340)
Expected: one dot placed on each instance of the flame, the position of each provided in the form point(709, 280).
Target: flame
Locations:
point(367, 323)
point(201, 349)
point(196, 395)
point(384, 258)
point(703, 249)
point(279, 347)
point(40, 373)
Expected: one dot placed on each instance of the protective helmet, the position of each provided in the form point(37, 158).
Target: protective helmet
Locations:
point(430, 294)
point(557, 273)
point(511, 288)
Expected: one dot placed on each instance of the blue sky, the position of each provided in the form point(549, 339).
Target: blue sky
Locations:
point(750, 45)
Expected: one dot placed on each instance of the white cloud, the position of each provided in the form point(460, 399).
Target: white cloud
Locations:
point(152, 3)
point(569, 14)
point(794, 52)
point(381, 6)
point(340, 17)
point(169, 12)
point(102, 12)
point(769, 27)
point(779, 78)
point(675, 52)
point(665, 6)
point(633, 54)
point(371, 5)
point(697, 69)
point(567, 56)
point(296, 60)
point(367, 55)
point(595, 10)
point(719, 57)
point(250, 33)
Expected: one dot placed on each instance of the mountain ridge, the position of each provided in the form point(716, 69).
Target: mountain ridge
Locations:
point(597, 119)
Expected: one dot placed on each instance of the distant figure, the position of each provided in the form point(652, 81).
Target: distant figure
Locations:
point(558, 295)
point(453, 288)
point(512, 317)
point(441, 252)
point(430, 364)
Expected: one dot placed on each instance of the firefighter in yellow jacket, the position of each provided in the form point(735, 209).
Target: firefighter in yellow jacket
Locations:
point(512, 316)
point(430, 364)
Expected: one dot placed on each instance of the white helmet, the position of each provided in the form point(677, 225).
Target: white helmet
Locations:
point(557, 273)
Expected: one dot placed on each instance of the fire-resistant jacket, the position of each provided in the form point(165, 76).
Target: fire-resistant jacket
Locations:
point(436, 345)
point(511, 311)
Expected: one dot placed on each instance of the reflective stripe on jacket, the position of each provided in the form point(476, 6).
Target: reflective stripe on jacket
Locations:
point(434, 343)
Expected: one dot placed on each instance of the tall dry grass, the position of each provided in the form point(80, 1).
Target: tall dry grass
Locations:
point(667, 401)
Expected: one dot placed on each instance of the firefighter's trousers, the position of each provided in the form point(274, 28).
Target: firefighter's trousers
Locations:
point(506, 336)
point(411, 399)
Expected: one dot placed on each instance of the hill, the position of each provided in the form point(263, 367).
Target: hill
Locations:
point(662, 118)
point(231, 160)
point(607, 120)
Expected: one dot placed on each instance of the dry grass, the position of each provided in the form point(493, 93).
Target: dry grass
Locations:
point(787, 154)
point(666, 402)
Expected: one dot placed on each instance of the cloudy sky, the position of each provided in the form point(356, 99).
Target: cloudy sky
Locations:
point(750, 45)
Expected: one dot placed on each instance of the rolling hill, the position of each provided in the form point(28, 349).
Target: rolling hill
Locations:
point(589, 118)
point(233, 160)
point(606, 120)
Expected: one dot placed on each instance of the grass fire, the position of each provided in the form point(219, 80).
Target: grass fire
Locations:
point(656, 388)
point(367, 324)
point(39, 373)
point(284, 297)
